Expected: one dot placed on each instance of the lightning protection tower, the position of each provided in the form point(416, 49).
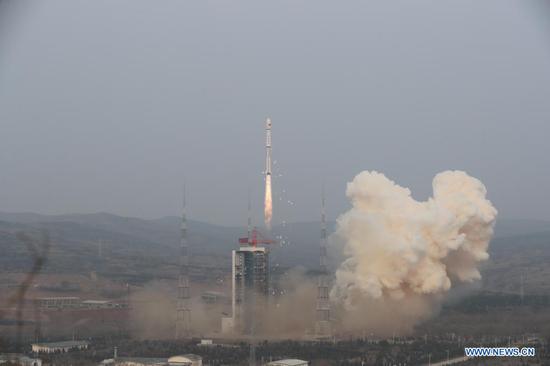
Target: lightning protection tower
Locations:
point(183, 311)
point(322, 324)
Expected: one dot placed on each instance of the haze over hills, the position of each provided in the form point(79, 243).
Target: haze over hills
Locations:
point(161, 236)
point(514, 227)
point(142, 244)
point(504, 227)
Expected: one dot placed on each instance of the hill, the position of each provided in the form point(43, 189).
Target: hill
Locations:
point(148, 248)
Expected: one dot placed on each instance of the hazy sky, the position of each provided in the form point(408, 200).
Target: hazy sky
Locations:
point(108, 105)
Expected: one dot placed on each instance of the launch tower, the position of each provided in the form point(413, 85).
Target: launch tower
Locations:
point(250, 281)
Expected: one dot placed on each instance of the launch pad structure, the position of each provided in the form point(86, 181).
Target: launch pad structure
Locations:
point(250, 272)
point(250, 286)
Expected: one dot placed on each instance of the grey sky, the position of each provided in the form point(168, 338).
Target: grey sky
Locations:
point(107, 105)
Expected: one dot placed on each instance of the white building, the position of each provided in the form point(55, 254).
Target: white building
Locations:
point(63, 302)
point(185, 360)
point(134, 361)
point(58, 347)
point(97, 304)
point(180, 360)
point(288, 362)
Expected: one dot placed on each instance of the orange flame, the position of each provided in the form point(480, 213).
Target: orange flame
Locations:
point(268, 204)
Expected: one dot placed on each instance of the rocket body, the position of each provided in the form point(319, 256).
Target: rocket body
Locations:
point(268, 147)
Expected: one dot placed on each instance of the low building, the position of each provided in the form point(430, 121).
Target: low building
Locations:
point(288, 362)
point(185, 360)
point(19, 359)
point(59, 347)
point(97, 304)
point(135, 361)
point(181, 360)
point(63, 302)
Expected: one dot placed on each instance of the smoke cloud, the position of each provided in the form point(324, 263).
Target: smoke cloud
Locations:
point(290, 315)
point(402, 256)
point(153, 313)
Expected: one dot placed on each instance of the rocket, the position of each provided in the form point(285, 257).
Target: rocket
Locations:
point(268, 147)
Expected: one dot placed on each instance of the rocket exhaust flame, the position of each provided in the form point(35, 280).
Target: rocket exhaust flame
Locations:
point(268, 201)
point(268, 204)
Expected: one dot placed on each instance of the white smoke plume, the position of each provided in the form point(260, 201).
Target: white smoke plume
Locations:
point(403, 255)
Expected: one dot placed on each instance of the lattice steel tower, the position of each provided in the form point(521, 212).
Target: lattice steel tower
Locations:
point(183, 311)
point(322, 324)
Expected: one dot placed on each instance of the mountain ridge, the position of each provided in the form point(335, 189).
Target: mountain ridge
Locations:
point(297, 243)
